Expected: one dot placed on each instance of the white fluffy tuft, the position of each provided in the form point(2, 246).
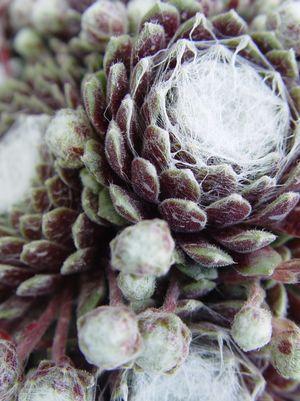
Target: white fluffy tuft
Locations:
point(208, 374)
point(19, 154)
point(223, 109)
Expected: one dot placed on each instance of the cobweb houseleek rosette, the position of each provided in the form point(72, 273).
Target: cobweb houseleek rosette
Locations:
point(42, 224)
point(45, 234)
point(148, 155)
point(46, 212)
point(42, 219)
point(198, 128)
point(51, 43)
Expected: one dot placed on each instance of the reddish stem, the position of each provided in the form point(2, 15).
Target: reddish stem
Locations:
point(256, 294)
point(172, 295)
point(115, 295)
point(5, 60)
point(4, 49)
point(62, 327)
point(35, 331)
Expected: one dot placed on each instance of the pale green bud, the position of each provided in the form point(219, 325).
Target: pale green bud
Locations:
point(166, 342)
point(28, 43)
point(55, 17)
point(109, 336)
point(136, 288)
point(66, 136)
point(145, 249)
point(102, 20)
point(252, 328)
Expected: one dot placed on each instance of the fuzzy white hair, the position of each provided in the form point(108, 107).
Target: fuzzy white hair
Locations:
point(19, 154)
point(210, 373)
point(223, 109)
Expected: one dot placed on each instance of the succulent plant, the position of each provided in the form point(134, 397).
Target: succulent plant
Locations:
point(219, 192)
point(48, 231)
point(160, 156)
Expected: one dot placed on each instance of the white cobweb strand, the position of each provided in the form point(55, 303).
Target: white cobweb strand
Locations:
point(207, 375)
point(225, 111)
point(19, 154)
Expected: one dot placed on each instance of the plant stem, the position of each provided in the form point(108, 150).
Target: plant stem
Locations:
point(62, 327)
point(115, 295)
point(35, 331)
point(256, 294)
point(172, 295)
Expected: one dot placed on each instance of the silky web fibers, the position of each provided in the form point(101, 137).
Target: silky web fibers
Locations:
point(223, 109)
point(208, 374)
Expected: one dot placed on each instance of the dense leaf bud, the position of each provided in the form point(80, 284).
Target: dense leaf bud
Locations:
point(102, 20)
point(109, 336)
point(28, 43)
point(136, 288)
point(143, 249)
point(66, 136)
point(166, 342)
point(55, 17)
point(252, 328)
point(57, 382)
